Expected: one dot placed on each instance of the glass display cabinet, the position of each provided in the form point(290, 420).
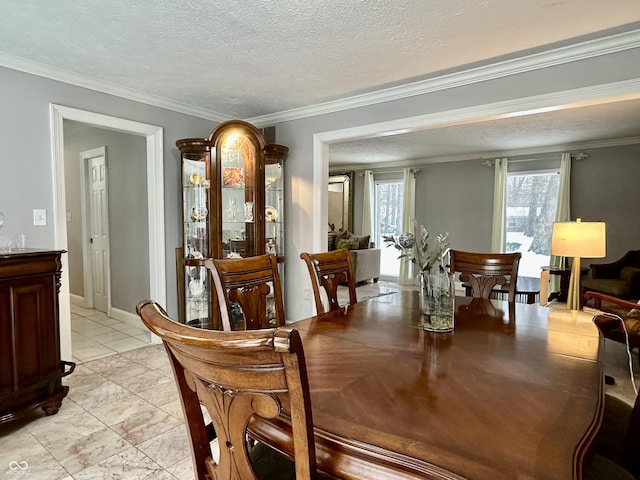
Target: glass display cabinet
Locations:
point(232, 195)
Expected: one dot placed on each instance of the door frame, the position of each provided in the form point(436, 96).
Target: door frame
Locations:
point(155, 203)
point(87, 261)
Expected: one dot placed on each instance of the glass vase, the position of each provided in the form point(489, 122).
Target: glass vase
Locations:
point(437, 296)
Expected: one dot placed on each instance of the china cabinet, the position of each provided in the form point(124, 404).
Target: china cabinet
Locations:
point(232, 206)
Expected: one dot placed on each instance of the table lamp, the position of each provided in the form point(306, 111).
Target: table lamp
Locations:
point(578, 240)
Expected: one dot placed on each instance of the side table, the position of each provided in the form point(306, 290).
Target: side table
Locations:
point(565, 274)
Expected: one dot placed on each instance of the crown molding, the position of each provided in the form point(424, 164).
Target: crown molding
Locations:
point(91, 83)
point(585, 50)
point(557, 56)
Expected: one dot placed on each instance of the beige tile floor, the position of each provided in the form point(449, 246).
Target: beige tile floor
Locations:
point(122, 419)
point(94, 335)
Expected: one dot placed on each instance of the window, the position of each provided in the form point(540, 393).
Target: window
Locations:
point(388, 216)
point(531, 208)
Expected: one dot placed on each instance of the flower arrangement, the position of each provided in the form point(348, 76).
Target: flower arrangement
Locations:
point(415, 247)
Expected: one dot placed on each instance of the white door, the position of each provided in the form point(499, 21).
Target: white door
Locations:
point(99, 231)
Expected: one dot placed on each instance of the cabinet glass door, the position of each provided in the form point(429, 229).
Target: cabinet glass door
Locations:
point(195, 214)
point(238, 164)
point(274, 209)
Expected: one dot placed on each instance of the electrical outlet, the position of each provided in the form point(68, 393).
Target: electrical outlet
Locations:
point(39, 217)
point(307, 294)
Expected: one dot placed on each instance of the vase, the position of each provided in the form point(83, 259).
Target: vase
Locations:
point(437, 296)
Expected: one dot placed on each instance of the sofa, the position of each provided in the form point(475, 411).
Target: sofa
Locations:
point(620, 279)
point(365, 259)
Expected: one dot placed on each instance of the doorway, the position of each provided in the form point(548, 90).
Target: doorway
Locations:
point(155, 203)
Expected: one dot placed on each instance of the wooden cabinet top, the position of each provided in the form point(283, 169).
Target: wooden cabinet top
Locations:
point(29, 262)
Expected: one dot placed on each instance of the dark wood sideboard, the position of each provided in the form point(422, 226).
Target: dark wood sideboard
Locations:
point(31, 369)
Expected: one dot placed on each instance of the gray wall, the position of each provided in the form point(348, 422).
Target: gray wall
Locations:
point(458, 197)
point(128, 223)
point(604, 187)
point(26, 175)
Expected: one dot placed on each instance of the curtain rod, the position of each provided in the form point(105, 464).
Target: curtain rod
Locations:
point(413, 170)
point(574, 156)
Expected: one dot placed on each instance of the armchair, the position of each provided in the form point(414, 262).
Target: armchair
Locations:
point(611, 327)
point(627, 331)
point(619, 279)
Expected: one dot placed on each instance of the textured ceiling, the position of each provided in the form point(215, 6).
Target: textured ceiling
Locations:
point(250, 58)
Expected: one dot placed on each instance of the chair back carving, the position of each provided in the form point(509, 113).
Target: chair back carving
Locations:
point(236, 376)
point(483, 271)
point(248, 292)
point(328, 270)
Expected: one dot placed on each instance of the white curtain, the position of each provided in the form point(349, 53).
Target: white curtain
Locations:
point(498, 231)
point(563, 213)
point(368, 206)
point(406, 275)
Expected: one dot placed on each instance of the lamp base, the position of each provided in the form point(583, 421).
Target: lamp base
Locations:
point(574, 302)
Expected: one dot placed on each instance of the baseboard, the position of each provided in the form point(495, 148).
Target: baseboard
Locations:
point(126, 317)
point(76, 299)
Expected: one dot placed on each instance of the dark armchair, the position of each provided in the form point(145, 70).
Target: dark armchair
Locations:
point(625, 329)
point(611, 327)
point(620, 279)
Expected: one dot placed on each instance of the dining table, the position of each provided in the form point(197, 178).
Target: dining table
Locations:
point(514, 392)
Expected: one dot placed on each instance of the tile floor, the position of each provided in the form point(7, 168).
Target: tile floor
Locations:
point(122, 419)
point(94, 335)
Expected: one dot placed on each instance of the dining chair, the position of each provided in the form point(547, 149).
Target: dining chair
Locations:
point(618, 441)
point(237, 376)
point(483, 271)
point(248, 292)
point(328, 270)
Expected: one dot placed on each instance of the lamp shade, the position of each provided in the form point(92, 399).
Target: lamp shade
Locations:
point(579, 239)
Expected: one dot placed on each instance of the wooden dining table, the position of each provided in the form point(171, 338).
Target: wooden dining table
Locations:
point(515, 392)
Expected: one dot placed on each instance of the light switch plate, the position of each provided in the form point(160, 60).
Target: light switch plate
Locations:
point(39, 217)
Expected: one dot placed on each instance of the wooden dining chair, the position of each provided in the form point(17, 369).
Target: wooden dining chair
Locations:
point(248, 292)
point(328, 270)
point(483, 271)
point(238, 376)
